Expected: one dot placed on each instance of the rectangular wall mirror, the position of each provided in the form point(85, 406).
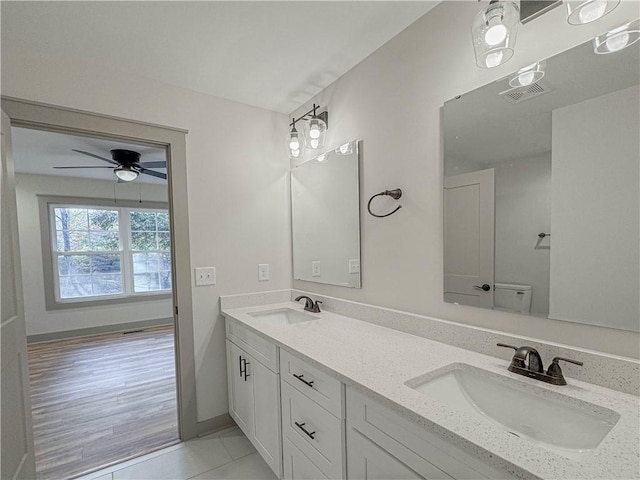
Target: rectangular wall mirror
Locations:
point(325, 215)
point(541, 191)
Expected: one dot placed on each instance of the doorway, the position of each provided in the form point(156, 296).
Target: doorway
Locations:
point(24, 114)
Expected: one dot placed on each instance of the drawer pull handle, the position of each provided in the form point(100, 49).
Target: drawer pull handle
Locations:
point(246, 372)
point(301, 427)
point(301, 378)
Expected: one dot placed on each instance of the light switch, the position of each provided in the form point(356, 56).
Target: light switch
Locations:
point(354, 265)
point(263, 272)
point(205, 276)
point(315, 268)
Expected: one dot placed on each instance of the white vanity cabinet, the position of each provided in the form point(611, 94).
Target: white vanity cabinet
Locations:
point(312, 421)
point(254, 392)
point(381, 444)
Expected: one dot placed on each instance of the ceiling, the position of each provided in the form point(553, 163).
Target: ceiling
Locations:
point(37, 152)
point(481, 127)
point(270, 54)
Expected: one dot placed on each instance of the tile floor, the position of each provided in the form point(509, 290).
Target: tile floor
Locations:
point(224, 455)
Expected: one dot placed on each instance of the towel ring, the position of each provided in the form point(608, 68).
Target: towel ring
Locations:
point(395, 194)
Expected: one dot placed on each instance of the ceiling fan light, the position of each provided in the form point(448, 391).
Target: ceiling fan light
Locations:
point(126, 174)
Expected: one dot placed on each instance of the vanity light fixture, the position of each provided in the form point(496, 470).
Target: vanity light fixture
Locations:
point(494, 32)
point(581, 12)
point(617, 39)
point(296, 142)
point(126, 174)
point(527, 75)
point(314, 135)
point(316, 129)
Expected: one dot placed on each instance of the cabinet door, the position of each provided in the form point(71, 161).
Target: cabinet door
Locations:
point(266, 414)
point(240, 388)
point(367, 461)
point(297, 466)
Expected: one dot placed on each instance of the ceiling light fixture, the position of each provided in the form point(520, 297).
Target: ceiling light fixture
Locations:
point(527, 75)
point(314, 136)
point(581, 12)
point(617, 39)
point(126, 174)
point(494, 32)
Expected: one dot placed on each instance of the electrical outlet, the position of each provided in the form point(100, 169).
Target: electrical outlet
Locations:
point(315, 268)
point(205, 276)
point(263, 272)
point(354, 265)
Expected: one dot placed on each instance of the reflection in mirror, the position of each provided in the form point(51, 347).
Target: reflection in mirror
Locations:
point(541, 192)
point(325, 212)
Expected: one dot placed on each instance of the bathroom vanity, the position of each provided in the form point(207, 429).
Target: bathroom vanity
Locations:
point(322, 395)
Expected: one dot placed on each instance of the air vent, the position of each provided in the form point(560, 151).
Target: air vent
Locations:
point(520, 94)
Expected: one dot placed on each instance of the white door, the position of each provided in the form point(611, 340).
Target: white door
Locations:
point(469, 225)
point(240, 388)
point(18, 459)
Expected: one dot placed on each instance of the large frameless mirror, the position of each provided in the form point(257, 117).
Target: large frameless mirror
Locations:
point(541, 190)
point(325, 212)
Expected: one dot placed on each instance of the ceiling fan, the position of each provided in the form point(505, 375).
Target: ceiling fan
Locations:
point(126, 165)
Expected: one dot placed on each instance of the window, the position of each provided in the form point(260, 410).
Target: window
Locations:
point(107, 252)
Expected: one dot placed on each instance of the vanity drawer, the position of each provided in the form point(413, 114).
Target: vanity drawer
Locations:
point(297, 466)
point(313, 430)
point(322, 388)
point(259, 348)
point(415, 447)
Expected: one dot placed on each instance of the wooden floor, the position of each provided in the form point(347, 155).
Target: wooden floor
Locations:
point(100, 399)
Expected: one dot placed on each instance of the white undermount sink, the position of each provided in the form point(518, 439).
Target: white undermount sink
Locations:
point(284, 316)
point(562, 424)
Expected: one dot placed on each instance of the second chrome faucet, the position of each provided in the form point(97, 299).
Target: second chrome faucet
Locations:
point(526, 361)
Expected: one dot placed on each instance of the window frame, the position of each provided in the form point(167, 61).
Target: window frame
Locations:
point(51, 278)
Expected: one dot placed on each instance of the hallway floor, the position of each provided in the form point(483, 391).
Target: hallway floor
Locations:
point(101, 399)
point(225, 455)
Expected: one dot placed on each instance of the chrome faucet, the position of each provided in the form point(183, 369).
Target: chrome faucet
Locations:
point(310, 305)
point(526, 361)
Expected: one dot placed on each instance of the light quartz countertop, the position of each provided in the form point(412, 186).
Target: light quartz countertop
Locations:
point(378, 361)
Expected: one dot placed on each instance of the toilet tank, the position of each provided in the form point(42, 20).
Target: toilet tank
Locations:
point(512, 297)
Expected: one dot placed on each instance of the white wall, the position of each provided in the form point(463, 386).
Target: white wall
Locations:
point(523, 210)
point(392, 101)
point(595, 262)
point(38, 319)
point(237, 181)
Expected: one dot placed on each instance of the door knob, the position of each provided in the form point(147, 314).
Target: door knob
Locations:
point(486, 287)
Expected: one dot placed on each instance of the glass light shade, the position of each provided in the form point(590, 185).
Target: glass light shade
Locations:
point(126, 174)
point(494, 33)
point(581, 12)
point(316, 130)
point(617, 39)
point(527, 75)
point(295, 144)
point(346, 149)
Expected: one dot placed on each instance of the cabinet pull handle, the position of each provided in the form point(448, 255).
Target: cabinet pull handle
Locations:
point(246, 374)
point(308, 433)
point(301, 378)
point(240, 361)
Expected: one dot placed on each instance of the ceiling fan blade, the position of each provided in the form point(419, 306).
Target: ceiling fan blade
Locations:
point(96, 156)
point(152, 173)
point(85, 166)
point(161, 164)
